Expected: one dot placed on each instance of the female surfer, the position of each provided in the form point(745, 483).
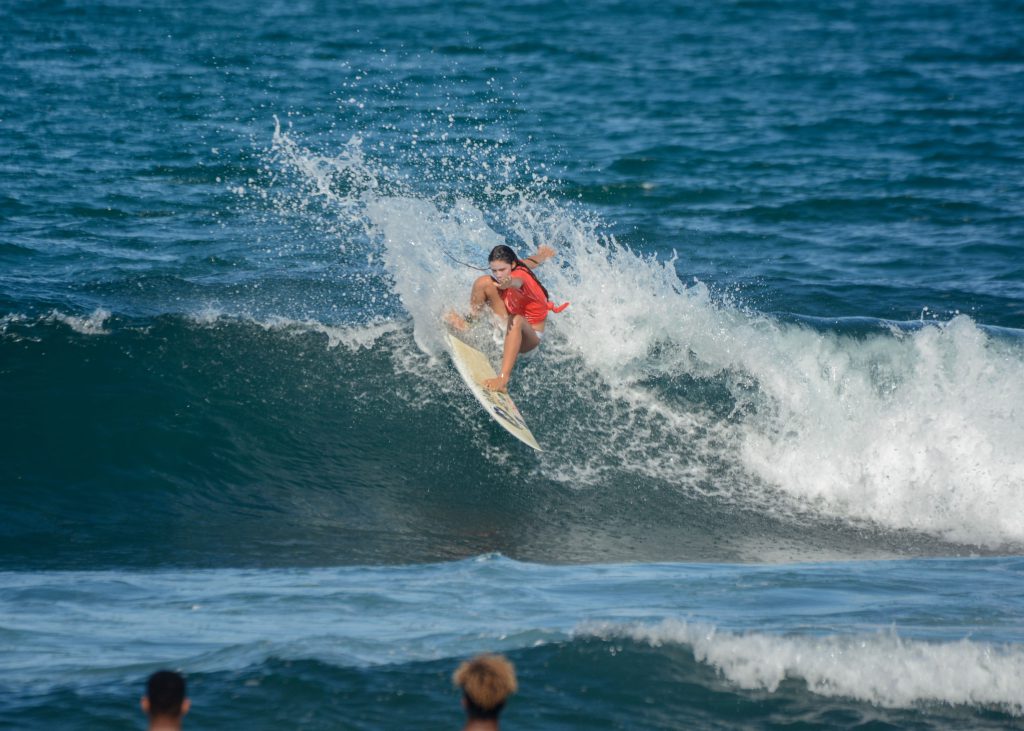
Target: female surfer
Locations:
point(516, 296)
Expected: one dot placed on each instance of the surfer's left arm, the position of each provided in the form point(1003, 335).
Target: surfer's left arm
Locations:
point(543, 253)
point(511, 282)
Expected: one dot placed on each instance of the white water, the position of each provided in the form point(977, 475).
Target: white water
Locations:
point(879, 668)
point(351, 337)
point(916, 430)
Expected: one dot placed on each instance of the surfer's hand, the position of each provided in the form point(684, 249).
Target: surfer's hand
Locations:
point(498, 383)
point(510, 282)
point(544, 252)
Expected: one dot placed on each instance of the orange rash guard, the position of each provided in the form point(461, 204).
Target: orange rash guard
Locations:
point(529, 301)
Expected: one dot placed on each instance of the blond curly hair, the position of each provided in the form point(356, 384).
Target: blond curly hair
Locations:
point(487, 681)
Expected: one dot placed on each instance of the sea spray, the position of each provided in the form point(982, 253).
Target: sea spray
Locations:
point(908, 429)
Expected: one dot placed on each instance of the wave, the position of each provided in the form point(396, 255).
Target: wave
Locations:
point(910, 429)
point(93, 324)
point(708, 430)
point(17, 325)
point(576, 625)
point(352, 337)
point(803, 437)
point(881, 668)
point(561, 687)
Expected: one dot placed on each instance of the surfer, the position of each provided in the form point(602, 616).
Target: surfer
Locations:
point(517, 297)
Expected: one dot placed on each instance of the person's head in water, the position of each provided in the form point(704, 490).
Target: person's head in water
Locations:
point(486, 682)
point(165, 702)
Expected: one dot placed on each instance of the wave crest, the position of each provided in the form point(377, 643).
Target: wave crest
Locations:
point(881, 668)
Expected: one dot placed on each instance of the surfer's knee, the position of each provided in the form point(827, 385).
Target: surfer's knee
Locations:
point(483, 284)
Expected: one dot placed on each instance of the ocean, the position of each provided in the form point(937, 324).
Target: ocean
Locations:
point(782, 420)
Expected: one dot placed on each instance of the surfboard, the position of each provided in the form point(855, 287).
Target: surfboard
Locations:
point(474, 368)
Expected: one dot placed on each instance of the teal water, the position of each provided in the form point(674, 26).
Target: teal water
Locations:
point(605, 646)
point(782, 480)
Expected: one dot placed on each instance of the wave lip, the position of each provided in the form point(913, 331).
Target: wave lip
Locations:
point(93, 324)
point(351, 337)
point(881, 668)
point(15, 325)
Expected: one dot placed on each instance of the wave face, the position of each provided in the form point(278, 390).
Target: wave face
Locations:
point(795, 329)
point(677, 423)
point(186, 439)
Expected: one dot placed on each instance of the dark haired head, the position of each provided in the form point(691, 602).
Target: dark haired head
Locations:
point(166, 693)
point(505, 254)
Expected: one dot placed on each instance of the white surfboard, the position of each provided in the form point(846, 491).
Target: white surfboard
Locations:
point(474, 368)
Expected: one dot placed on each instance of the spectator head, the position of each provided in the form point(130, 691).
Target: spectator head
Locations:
point(486, 682)
point(165, 696)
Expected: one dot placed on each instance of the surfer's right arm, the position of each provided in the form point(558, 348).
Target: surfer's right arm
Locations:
point(543, 253)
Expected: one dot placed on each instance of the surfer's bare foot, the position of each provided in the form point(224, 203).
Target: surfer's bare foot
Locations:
point(455, 320)
point(496, 384)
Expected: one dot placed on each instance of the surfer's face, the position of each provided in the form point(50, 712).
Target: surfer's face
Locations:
point(500, 270)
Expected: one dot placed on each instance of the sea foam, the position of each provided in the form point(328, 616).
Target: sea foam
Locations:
point(879, 668)
point(908, 428)
point(93, 324)
point(351, 337)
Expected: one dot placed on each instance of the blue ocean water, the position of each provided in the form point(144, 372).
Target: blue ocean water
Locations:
point(782, 421)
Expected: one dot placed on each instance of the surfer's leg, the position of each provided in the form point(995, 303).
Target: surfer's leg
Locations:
point(485, 292)
point(520, 338)
point(530, 337)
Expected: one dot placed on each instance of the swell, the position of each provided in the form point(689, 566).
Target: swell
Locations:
point(232, 442)
point(610, 638)
point(618, 684)
point(227, 441)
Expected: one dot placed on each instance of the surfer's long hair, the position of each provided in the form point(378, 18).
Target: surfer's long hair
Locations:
point(507, 255)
